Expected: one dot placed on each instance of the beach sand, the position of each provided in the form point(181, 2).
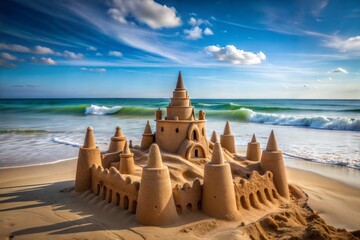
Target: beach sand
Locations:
point(37, 202)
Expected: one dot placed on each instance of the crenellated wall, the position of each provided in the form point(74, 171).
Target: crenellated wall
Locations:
point(112, 187)
point(188, 197)
point(257, 192)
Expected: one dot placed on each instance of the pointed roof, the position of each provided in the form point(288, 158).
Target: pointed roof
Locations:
point(180, 83)
point(272, 144)
point(155, 159)
point(126, 149)
point(214, 137)
point(253, 140)
point(217, 155)
point(227, 129)
point(89, 138)
point(118, 132)
point(147, 129)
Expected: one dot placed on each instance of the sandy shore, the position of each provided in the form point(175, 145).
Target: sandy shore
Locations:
point(35, 203)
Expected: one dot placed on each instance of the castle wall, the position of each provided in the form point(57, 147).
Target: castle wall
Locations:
point(188, 198)
point(171, 134)
point(257, 192)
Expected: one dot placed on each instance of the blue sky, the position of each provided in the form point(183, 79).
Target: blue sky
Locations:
point(225, 49)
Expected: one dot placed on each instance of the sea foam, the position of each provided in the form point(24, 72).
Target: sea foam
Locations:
point(97, 110)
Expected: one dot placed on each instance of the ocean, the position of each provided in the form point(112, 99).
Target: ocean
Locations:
point(38, 131)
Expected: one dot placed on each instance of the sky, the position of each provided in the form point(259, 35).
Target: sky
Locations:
point(135, 48)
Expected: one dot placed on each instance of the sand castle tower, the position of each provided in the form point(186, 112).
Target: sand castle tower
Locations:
point(117, 141)
point(127, 165)
point(253, 151)
point(227, 139)
point(272, 160)
point(213, 138)
point(156, 204)
point(180, 132)
point(89, 154)
point(147, 138)
point(218, 197)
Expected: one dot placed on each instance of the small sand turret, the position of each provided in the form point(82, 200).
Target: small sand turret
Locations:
point(201, 115)
point(158, 114)
point(218, 197)
point(117, 141)
point(156, 204)
point(89, 154)
point(227, 140)
point(147, 138)
point(253, 151)
point(272, 160)
point(213, 138)
point(126, 165)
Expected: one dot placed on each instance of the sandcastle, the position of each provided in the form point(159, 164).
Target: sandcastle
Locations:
point(226, 185)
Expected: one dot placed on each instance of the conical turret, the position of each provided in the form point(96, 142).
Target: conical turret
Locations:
point(156, 205)
point(89, 141)
point(218, 198)
point(272, 160)
point(127, 165)
point(180, 83)
point(148, 137)
point(117, 141)
point(227, 140)
point(214, 137)
point(272, 144)
point(253, 151)
point(89, 154)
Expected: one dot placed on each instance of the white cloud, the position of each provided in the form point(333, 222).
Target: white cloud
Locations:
point(338, 70)
point(91, 48)
point(235, 56)
point(43, 60)
point(93, 69)
point(98, 54)
point(43, 50)
point(8, 56)
point(193, 33)
point(148, 12)
point(208, 31)
point(72, 55)
point(197, 22)
point(284, 86)
point(351, 44)
point(115, 54)
point(5, 64)
point(15, 48)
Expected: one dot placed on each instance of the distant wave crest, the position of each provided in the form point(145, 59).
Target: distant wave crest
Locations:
point(101, 110)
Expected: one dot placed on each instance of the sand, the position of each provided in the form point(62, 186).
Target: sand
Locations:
point(37, 202)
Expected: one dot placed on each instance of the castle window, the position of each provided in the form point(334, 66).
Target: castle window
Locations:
point(162, 129)
point(176, 130)
point(194, 135)
point(196, 153)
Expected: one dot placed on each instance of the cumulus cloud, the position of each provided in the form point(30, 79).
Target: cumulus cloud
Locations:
point(43, 60)
point(91, 48)
point(8, 56)
point(147, 12)
point(193, 33)
point(115, 54)
point(231, 54)
point(72, 55)
point(196, 32)
point(345, 45)
point(43, 50)
point(15, 48)
point(339, 70)
point(93, 69)
point(284, 87)
point(98, 54)
point(208, 31)
point(197, 22)
point(5, 64)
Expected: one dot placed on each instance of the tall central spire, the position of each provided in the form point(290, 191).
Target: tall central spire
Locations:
point(180, 83)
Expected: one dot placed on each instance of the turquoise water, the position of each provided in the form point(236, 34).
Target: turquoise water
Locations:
point(44, 130)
